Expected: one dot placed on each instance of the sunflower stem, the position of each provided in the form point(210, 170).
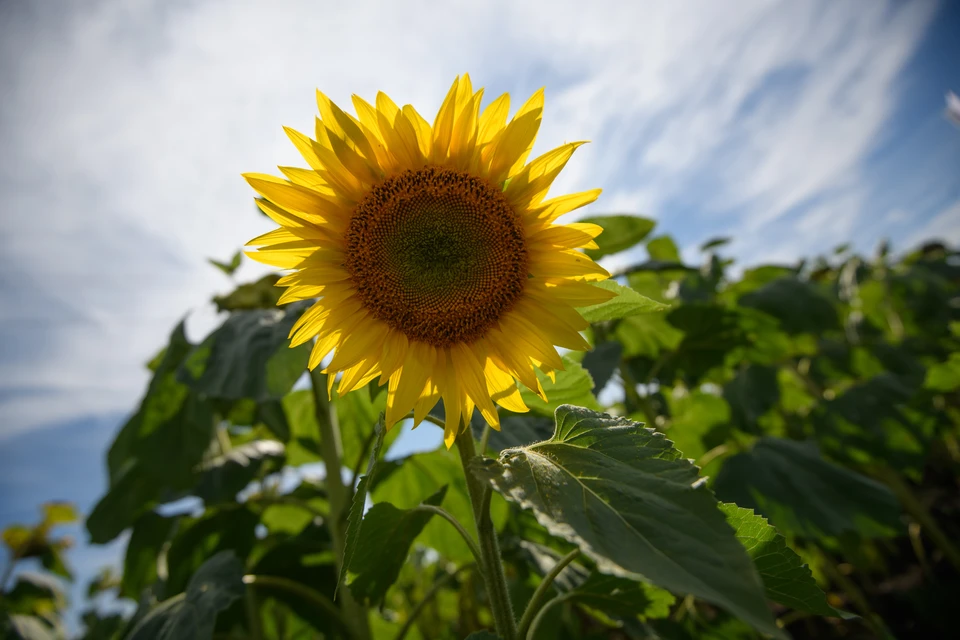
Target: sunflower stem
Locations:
point(533, 607)
point(492, 569)
point(338, 494)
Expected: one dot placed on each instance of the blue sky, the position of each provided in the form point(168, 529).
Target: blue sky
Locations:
point(790, 126)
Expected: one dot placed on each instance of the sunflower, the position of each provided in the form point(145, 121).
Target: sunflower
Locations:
point(435, 261)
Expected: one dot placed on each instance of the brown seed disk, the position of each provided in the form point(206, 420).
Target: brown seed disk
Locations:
point(437, 254)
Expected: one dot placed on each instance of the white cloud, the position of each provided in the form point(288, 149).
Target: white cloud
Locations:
point(945, 226)
point(126, 126)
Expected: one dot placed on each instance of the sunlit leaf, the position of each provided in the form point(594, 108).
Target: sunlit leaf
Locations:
point(627, 303)
point(786, 579)
point(619, 233)
point(624, 495)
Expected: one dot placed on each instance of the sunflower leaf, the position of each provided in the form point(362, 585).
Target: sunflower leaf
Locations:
point(785, 578)
point(573, 386)
point(386, 534)
point(627, 498)
point(619, 233)
point(627, 303)
point(191, 615)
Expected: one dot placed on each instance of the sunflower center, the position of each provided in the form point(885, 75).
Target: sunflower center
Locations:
point(437, 254)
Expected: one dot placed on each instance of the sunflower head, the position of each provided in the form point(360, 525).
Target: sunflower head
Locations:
point(433, 256)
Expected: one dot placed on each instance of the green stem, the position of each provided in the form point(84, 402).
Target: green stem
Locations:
point(302, 590)
point(921, 514)
point(541, 593)
point(446, 515)
point(338, 494)
point(253, 614)
point(491, 568)
point(484, 438)
point(439, 584)
point(542, 614)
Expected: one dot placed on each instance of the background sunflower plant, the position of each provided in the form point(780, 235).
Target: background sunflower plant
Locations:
point(767, 470)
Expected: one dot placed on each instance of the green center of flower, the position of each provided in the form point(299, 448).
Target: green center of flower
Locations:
point(437, 254)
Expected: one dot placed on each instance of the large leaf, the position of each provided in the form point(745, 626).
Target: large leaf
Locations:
point(798, 306)
point(602, 362)
point(150, 532)
point(230, 529)
point(751, 393)
point(573, 386)
point(132, 493)
point(619, 233)
point(215, 585)
point(423, 474)
point(171, 430)
point(663, 248)
point(627, 303)
point(248, 357)
point(801, 493)
point(386, 535)
point(786, 579)
point(624, 495)
point(222, 477)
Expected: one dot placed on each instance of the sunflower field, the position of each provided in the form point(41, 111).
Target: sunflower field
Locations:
point(714, 451)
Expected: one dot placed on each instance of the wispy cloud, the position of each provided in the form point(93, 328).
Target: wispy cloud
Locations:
point(126, 126)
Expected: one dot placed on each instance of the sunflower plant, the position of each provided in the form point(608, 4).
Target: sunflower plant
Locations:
point(425, 279)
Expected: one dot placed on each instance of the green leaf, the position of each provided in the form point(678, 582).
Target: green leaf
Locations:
point(602, 362)
point(619, 233)
point(386, 535)
point(713, 243)
point(663, 248)
point(150, 532)
point(230, 529)
point(798, 306)
point(215, 585)
point(944, 376)
point(248, 357)
point(698, 422)
point(262, 294)
point(222, 477)
point(623, 598)
point(517, 431)
point(647, 335)
point(228, 267)
point(423, 474)
point(786, 579)
point(573, 386)
point(352, 538)
point(627, 303)
point(482, 635)
point(801, 493)
point(751, 393)
point(130, 495)
point(624, 495)
point(168, 435)
point(57, 513)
